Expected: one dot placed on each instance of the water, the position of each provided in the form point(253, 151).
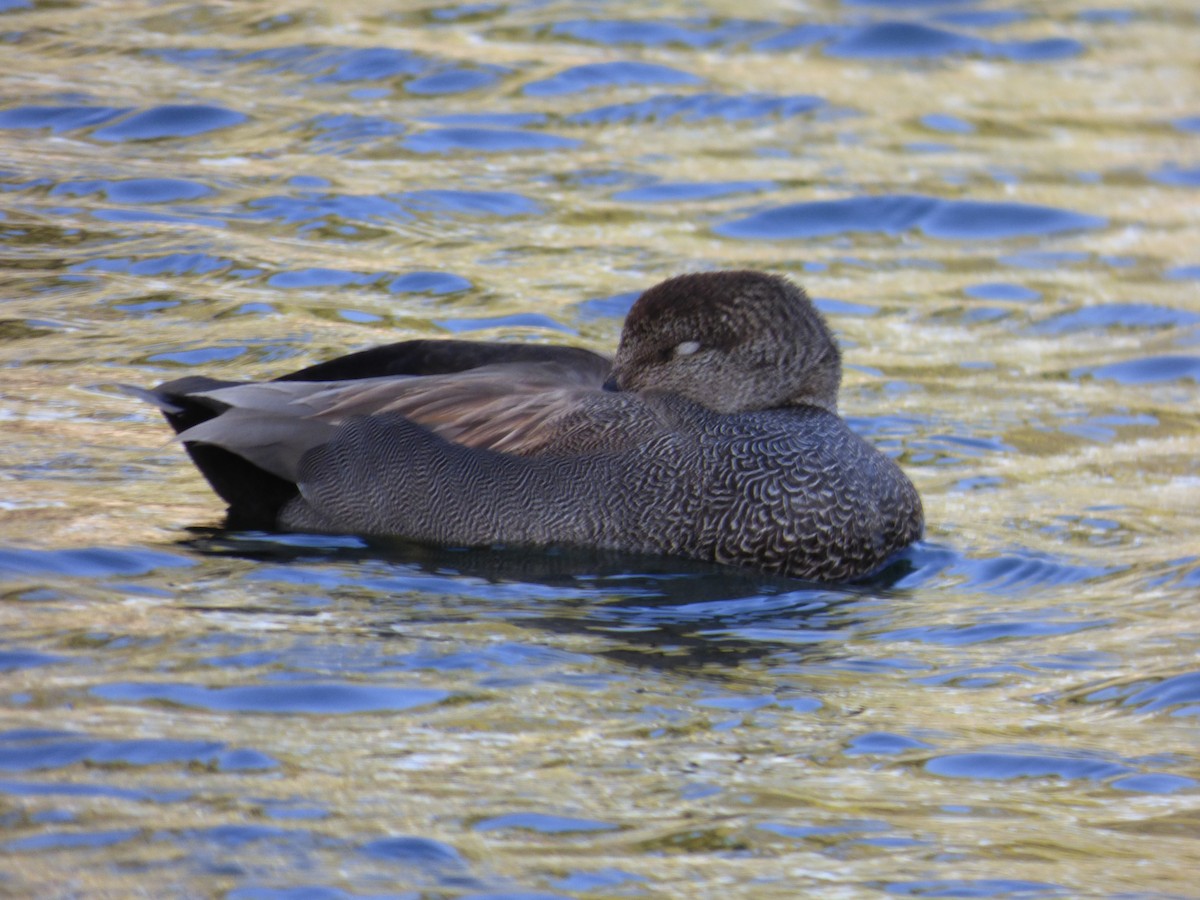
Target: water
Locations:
point(995, 205)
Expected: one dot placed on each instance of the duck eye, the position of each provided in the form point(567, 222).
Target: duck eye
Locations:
point(687, 348)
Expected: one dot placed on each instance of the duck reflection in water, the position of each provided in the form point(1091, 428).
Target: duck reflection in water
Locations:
point(653, 611)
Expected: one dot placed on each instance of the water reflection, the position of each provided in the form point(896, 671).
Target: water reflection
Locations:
point(664, 613)
point(699, 107)
point(955, 219)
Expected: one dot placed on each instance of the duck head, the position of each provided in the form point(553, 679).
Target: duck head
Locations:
point(731, 341)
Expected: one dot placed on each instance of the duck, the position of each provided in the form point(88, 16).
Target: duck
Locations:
point(712, 434)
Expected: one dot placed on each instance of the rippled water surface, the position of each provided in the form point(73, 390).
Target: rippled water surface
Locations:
point(995, 204)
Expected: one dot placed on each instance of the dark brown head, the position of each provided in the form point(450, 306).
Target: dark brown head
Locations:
point(730, 341)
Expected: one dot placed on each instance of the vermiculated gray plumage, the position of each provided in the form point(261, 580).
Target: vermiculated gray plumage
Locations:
point(722, 442)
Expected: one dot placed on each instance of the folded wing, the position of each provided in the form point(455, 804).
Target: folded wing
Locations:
point(508, 407)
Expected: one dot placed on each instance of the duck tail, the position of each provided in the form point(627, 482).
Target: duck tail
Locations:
point(254, 495)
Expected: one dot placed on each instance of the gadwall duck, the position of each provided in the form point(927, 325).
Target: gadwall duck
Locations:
point(712, 434)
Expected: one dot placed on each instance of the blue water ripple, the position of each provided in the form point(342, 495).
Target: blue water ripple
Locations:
point(1016, 572)
point(1177, 176)
point(234, 836)
point(1154, 783)
point(543, 823)
point(136, 190)
point(1043, 259)
point(170, 121)
point(290, 812)
point(339, 65)
point(70, 789)
point(299, 892)
point(454, 81)
point(832, 307)
point(436, 283)
point(516, 320)
point(897, 40)
point(414, 851)
point(947, 124)
point(73, 839)
point(151, 751)
point(991, 888)
point(34, 734)
point(1190, 578)
point(583, 881)
point(1147, 370)
point(1002, 290)
point(139, 216)
point(1006, 766)
point(980, 18)
point(311, 209)
point(895, 214)
point(489, 119)
point(1117, 315)
point(660, 32)
point(801, 36)
point(11, 660)
point(319, 277)
point(912, 40)
point(486, 140)
point(35, 754)
point(199, 356)
point(614, 307)
point(908, 4)
point(883, 743)
point(737, 702)
point(245, 759)
point(621, 73)
point(312, 697)
point(952, 447)
point(198, 59)
point(698, 107)
point(1183, 273)
point(507, 655)
point(354, 132)
point(513, 895)
point(971, 676)
point(903, 40)
point(503, 204)
point(1107, 16)
point(59, 118)
point(1179, 690)
point(168, 264)
point(366, 64)
point(685, 191)
point(86, 562)
point(968, 635)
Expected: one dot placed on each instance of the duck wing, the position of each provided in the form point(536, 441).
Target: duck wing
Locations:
point(441, 357)
point(508, 407)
